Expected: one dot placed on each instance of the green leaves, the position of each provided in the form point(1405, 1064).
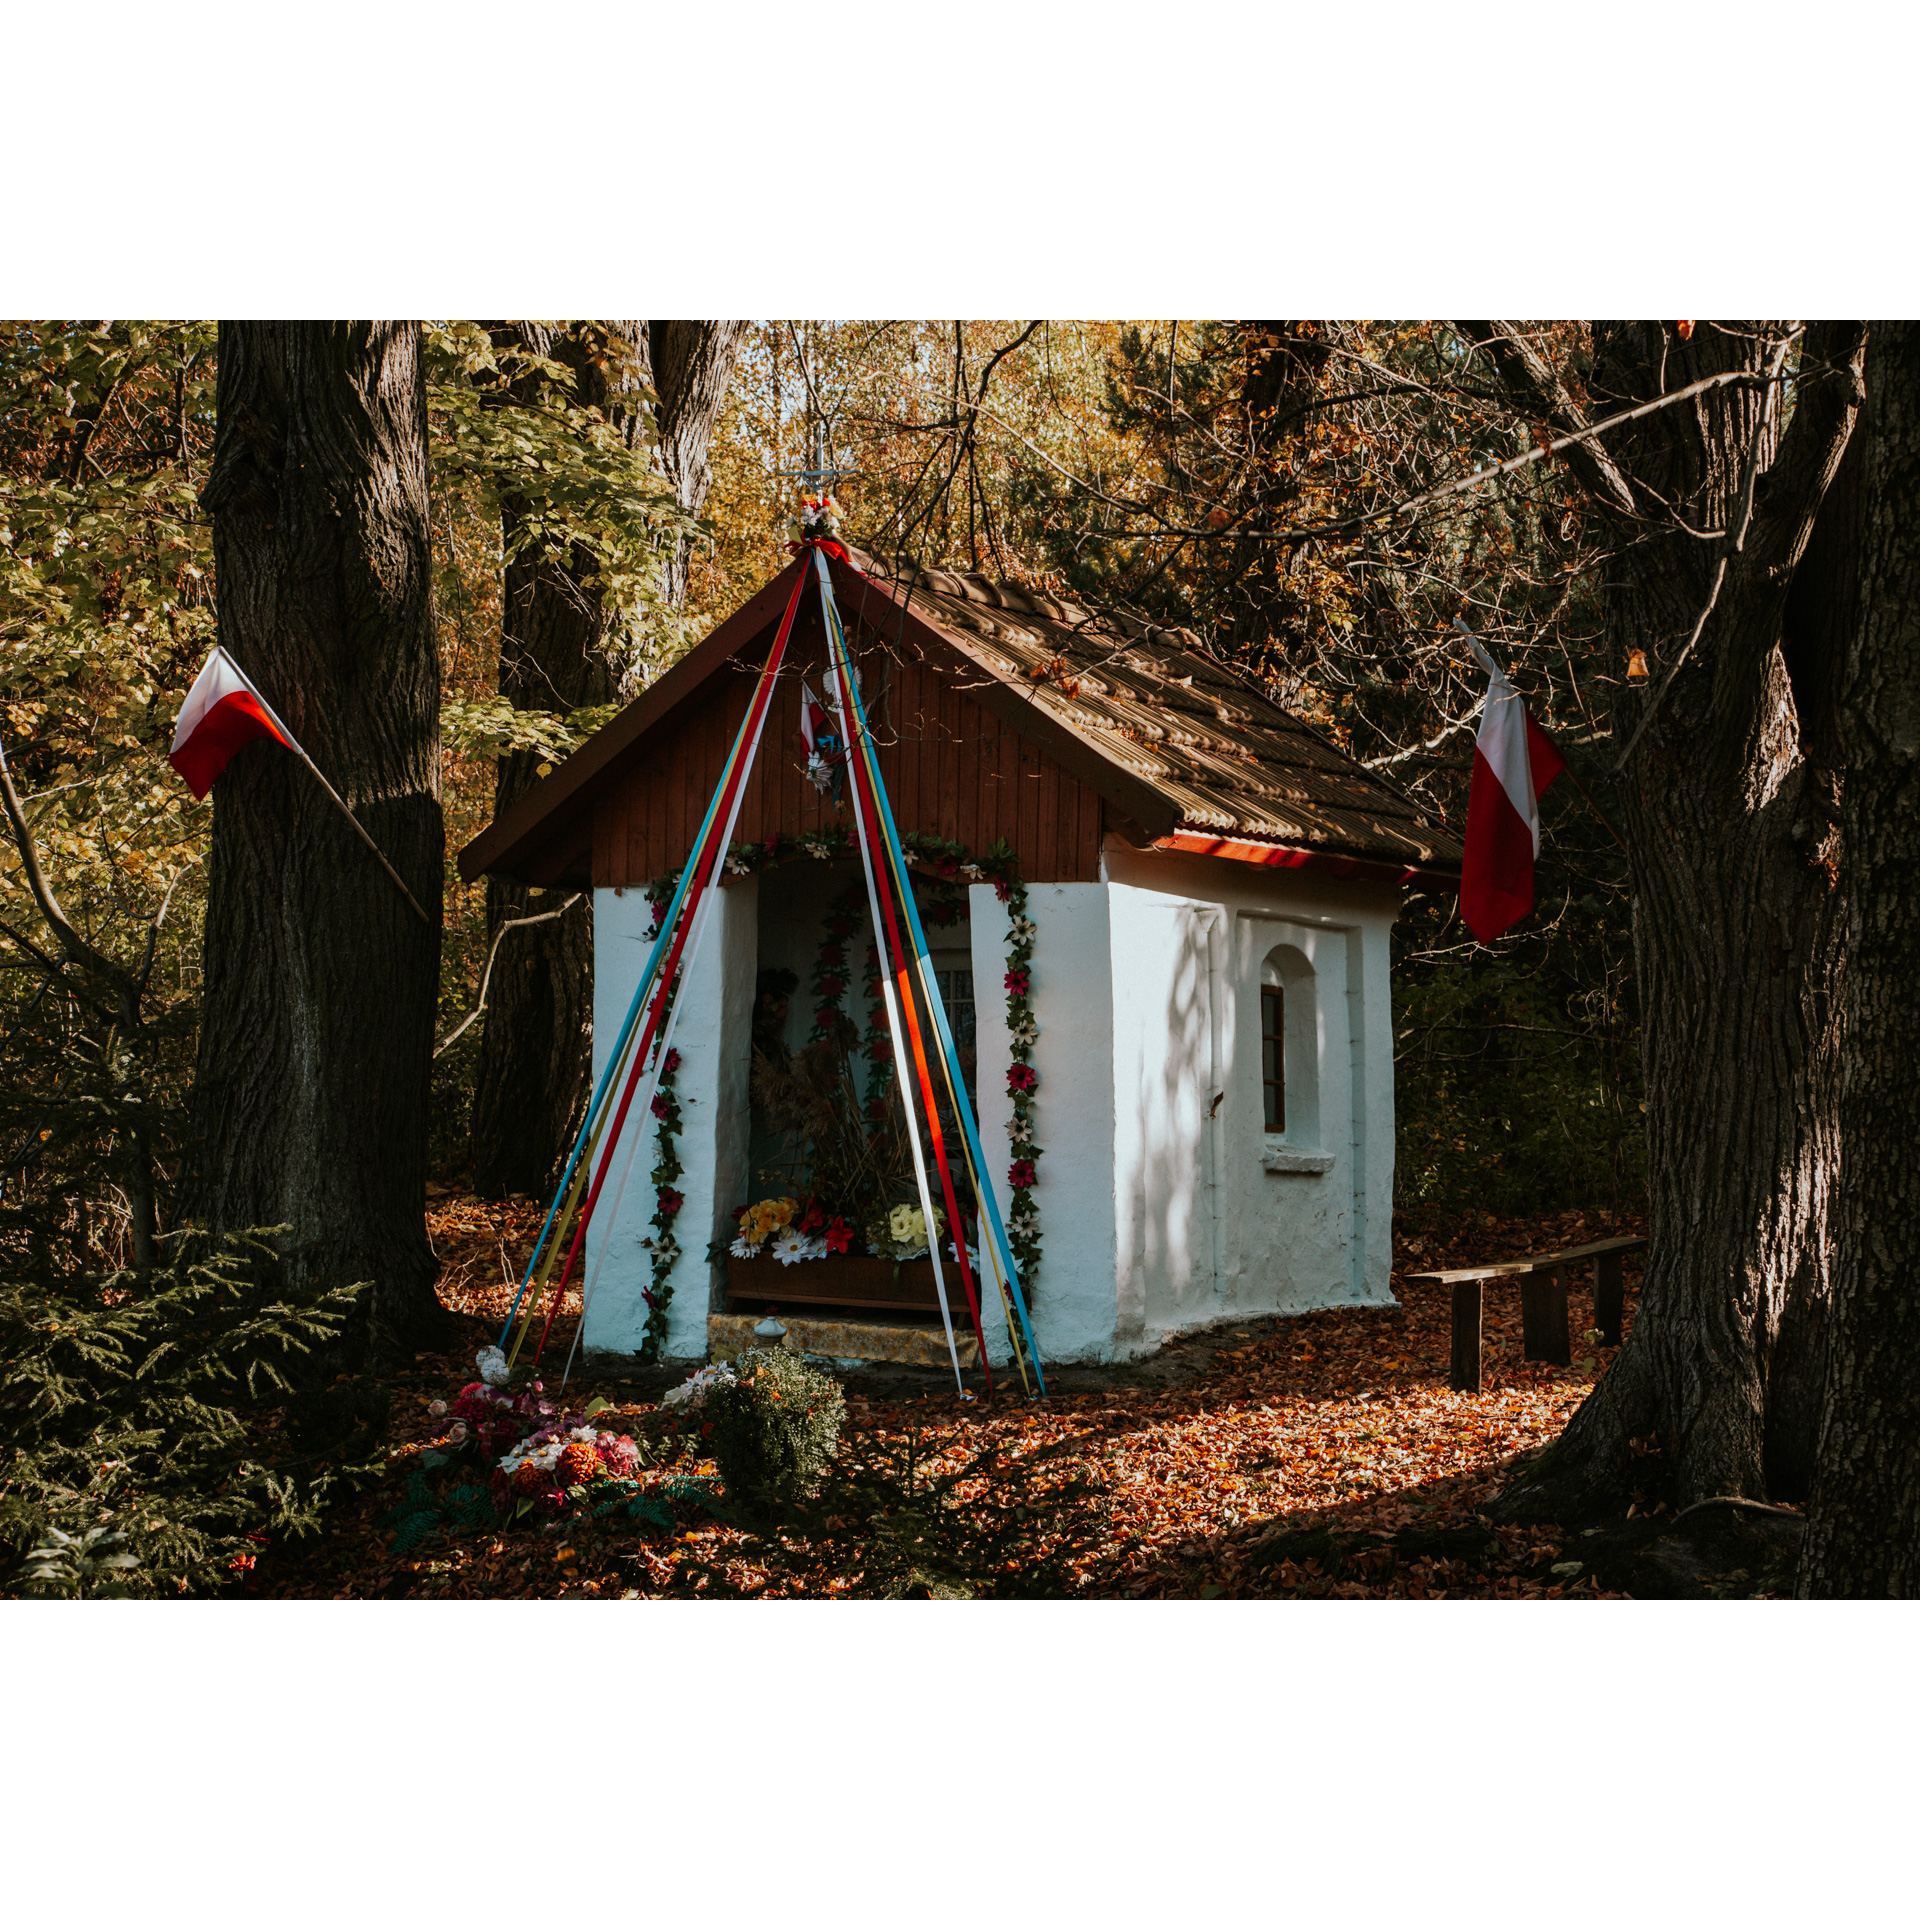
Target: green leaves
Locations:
point(507, 428)
point(492, 728)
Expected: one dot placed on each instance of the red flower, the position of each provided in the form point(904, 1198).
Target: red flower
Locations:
point(814, 1218)
point(773, 845)
point(659, 1106)
point(832, 986)
point(1022, 1079)
point(1020, 1174)
point(839, 926)
point(1016, 982)
point(670, 1201)
point(832, 956)
point(737, 1212)
point(671, 1064)
point(1000, 888)
point(839, 1237)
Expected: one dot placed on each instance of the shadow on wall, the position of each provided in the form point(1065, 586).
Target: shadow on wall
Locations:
point(1164, 1014)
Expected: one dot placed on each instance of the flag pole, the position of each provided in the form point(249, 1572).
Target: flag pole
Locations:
point(286, 733)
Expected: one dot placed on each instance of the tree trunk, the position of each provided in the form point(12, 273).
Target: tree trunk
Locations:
point(1285, 361)
point(1863, 1520)
point(1736, 922)
point(309, 1103)
point(536, 1050)
point(692, 361)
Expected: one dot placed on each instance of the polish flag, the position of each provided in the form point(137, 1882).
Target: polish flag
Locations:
point(813, 720)
point(1514, 763)
point(222, 713)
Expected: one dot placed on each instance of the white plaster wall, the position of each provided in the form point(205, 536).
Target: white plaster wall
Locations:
point(1213, 1232)
point(1077, 1305)
point(711, 1036)
point(1156, 1203)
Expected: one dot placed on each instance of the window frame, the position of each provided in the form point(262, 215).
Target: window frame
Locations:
point(1274, 1039)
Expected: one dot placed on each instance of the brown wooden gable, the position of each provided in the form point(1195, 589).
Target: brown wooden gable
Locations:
point(1000, 714)
point(951, 767)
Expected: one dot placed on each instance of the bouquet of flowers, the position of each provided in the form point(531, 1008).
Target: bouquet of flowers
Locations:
point(790, 1230)
point(559, 1456)
point(817, 517)
point(491, 1419)
point(901, 1232)
point(693, 1390)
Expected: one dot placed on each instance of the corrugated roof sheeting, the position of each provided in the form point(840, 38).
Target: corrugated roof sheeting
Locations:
point(1156, 702)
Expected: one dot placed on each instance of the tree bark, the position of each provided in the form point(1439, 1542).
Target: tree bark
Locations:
point(1285, 361)
point(309, 1103)
point(536, 1051)
point(1863, 1519)
point(1730, 827)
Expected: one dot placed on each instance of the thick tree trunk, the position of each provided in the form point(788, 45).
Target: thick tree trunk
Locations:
point(536, 1050)
point(309, 1101)
point(1285, 361)
point(691, 361)
point(1737, 929)
point(1863, 1520)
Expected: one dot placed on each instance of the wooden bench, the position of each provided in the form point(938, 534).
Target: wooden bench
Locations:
point(1543, 1303)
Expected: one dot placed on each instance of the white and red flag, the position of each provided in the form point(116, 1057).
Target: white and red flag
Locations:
point(221, 714)
point(823, 741)
point(1514, 763)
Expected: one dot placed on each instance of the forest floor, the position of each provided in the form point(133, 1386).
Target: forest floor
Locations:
point(1314, 1455)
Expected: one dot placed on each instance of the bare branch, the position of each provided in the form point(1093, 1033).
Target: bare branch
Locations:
point(506, 927)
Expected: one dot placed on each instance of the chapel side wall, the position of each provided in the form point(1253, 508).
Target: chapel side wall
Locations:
point(711, 1038)
point(1163, 1041)
point(1270, 1226)
point(1076, 1300)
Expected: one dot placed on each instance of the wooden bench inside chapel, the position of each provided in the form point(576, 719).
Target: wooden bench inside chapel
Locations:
point(1543, 1279)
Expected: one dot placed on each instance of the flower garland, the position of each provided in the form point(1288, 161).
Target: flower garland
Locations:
point(945, 867)
point(663, 1241)
point(1023, 1223)
point(831, 973)
point(754, 856)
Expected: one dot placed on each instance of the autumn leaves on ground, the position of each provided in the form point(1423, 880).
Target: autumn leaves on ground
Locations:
point(1318, 1455)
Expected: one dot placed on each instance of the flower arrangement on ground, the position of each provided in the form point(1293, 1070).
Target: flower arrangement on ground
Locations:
point(693, 1390)
point(554, 1459)
point(492, 1419)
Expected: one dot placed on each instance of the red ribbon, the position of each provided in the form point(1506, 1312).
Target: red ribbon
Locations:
point(708, 858)
point(827, 545)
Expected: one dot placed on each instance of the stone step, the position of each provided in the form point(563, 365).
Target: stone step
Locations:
point(732, 1333)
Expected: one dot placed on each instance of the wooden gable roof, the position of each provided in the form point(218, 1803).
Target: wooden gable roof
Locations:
point(998, 713)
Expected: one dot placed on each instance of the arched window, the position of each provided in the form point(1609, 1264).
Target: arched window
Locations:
point(1289, 1050)
point(1273, 1055)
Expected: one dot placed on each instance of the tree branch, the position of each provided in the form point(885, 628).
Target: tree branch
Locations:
point(1531, 380)
point(77, 949)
